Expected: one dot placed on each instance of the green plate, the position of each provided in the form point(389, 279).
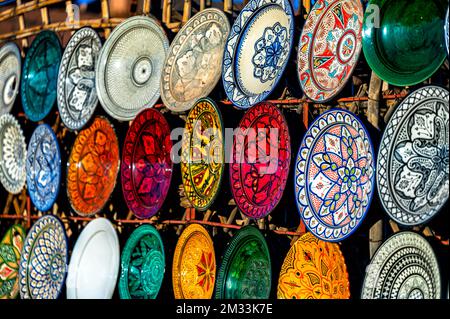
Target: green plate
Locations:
point(142, 264)
point(406, 48)
point(246, 271)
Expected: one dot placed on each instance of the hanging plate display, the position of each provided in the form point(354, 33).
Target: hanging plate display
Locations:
point(40, 75)
point(202, 154)
point(94, 264)
point(128, 72)
point(10, 68)
point(143, 264)
point(313, 269)
point(246, 271)
point(92, 167)
point(44, 260)
point(194, 264)
point(43, 167)
point(404, 267)
point(13, 153)
point(402, 40)
point(77, 95)
point(329, 48)
point(10, 250)
point(260, 161)
point(193, 65)
point(146, 163)
point(257, 51)
point(413, 159)
point(334, 175)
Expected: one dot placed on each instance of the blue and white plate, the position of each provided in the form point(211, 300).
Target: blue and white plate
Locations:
point(257, 51)
point(43, 167)
point(43, 263)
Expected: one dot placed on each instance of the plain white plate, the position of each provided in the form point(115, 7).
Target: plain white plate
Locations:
point(95, 261)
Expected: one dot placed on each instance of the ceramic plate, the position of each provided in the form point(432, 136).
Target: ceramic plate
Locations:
point(92, 167)
point(44, 259)
point(193, 66)
point(94, 264)
point(143, 264)
point(43, 167)
point(246, 271)
point(129, 69)
point(194, 264)
point(334, 175)
point(10, 250)
point(146, 163)
point(257, 51)
point(406, 47)
point(404, 267)
point(446, 28)
point(412, 165)
point(313, 269)
point(260, 161)
point(329, 48)
point(40, 75)
point(10, 68)
point(13, 153)
point(77, 95)
point(202, 154)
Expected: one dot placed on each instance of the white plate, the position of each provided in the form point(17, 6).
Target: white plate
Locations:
point(94, 265)
point(10, 68)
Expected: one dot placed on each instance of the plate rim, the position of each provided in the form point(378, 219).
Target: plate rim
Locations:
point(11, 48)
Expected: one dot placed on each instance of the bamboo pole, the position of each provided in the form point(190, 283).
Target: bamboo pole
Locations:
point(373, 106)
point(27, 7)
point(187, 8)
point(105, 16)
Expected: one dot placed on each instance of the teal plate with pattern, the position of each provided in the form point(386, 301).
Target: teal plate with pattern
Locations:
point(40, 75)
point(402, 39)
point(245, 271)
point(142, 264)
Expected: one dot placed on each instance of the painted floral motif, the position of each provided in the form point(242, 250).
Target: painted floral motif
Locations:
point(10, 250)
point(206, 271)
point(334, 175)
point(271, 51)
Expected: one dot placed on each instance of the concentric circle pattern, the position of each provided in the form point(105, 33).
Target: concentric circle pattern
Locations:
point(260, 161)
point(43, 263)
point(313, 269)
point(146, 163)
point(10, 68)
point(404, 267)
point(92, 167)
point(202, 154)
point(334, 175)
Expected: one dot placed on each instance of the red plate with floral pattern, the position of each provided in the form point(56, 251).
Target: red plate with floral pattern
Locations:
point(260, 160)
point(146, 163)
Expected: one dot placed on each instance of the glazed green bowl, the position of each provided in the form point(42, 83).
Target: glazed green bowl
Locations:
point(403, 43)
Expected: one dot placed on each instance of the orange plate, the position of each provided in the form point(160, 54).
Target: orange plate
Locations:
point(194, 264)
point(313, 269)
point(92, 168)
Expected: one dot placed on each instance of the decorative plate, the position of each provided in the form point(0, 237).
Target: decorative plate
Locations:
point(202, 154)
point(43, 167)
point(13, 153)
point(40, 75)
point(92, 167)
point(44, 259)
point(313, 269)
point(413, 159)
point(143, 264)
point(77, 95)
point(246, 271)
point(405, 46)
point(335, 175)
point(193, 66)
point(129, 68)
point(10, 250)
point(10, 68)
point(257, 51)
point(446, 28)
point(260, 161)
point(146, 163)
point(194, 264)
point(95, 261)
point(404, 267)
point(329, 48)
